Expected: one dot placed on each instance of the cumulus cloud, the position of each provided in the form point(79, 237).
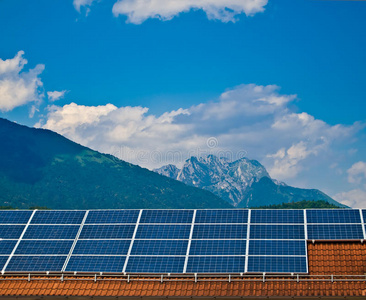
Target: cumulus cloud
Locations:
point(17, 86)
point(357, 172)
point(78, 4)
point(56, 95)
point(248, 119)
point(354, 198)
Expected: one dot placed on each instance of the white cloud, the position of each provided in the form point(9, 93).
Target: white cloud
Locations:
point(249, 119)
point(355, 198)
point(357, 172)
point(56, 95)
point(19, 87)
point(78, 4)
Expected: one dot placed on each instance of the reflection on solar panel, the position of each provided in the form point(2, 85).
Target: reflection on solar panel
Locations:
point(14, 217)
point(216, 264)
point(155, 264)
point(36, 263)
point(170, 241)
point(96, 264)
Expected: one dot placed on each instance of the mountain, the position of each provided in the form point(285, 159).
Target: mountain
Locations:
point(242, 183)
point(42, 168)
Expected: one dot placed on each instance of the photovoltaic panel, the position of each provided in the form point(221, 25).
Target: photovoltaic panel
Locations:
point(335, 232)
point(275, 232)
point(112, 264)
point(107, 232)
point(49, 232)
point(3, 260)
point(102, 247)
point(163, 232)
point(225, 231)
point(14, 217)
point(333, 216)
point(166, 216)
point(277, 247)
point(218, 247)
point(44, 247)
point(216, 264)
point(221, 216)
point(266, 216)
point(112, 216)
point(36, 263)
point(364, 215)
point(58, 217)
point(155, 264)
point(11, 231)
point(159, 247)
point(277, 264)
point(6, 247)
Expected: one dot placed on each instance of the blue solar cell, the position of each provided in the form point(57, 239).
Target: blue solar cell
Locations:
point(15, 217)
point(3, 260)
point(6, 247)
point(221, 216)
point(107, 232)
point(11, 231)
point(335, 232)
point(216, 264)
point(58, 217)
point(159, 247)
point(276, 247)
point(274, 232)
point(277, 264)
point(109, 264)
point(49, 232)
point(106, 247)
point(333, 216)
point(36, 263)
point(278, 216)
point(218, 247)
point(167, 216)
point(44, 247)
point(155, 264)
point(112, 216)
point(364, 215)
point(225, 231)
point(163, 232)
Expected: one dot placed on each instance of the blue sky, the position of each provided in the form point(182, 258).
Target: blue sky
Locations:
point(176, 74)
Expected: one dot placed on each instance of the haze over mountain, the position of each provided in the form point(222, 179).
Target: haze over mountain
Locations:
point(242, 183)
point(42, 168)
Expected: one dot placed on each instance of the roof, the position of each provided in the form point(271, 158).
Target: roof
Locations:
point(335, 269)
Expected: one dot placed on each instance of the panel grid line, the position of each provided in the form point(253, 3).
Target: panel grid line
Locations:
point(17, 244)
point(305, 225)
point(75, 241)
point(247, 247)
point(189, 241)
point(363, 224)
point(132, 240)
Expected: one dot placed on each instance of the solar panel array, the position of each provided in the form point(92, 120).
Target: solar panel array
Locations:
point(170, 241)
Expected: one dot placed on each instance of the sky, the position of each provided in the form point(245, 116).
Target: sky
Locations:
point(156, 81)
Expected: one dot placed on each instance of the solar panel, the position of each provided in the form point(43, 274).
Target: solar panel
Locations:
point(221, 216)
point(14, 217)
point(107, 232)
point(102, 247)
point(216, 264)
point(159, 247)
point(6, 247)
point(335, 232)
point(49, 232)
point(267, 216)
point(277, 264)
point(36, 263)
point(218, 247)
point(3, 260)
point(270, 232)
point(11, 231)
point(58, 217)
point(96, 264)
point(166, 216)
point(333, 216)
point(277, 247)
point(163, 232)
point(44, 247)
point(112, 216)
point(225, 231)
point(155, 264)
